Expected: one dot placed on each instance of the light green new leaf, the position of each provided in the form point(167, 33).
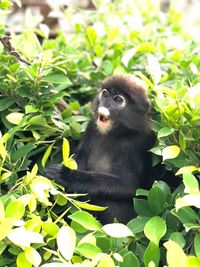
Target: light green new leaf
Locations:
point(170, 152)
point(87, 206)
point(22, 261)
point(191, 183)
point(155, 229)
point(15, 117)
point(47, 154)
point(117, 230)
point(15, 209)
point(57, 79)
point(86, 220)
point(66, 241)
point(33, 256)
point(50, 228)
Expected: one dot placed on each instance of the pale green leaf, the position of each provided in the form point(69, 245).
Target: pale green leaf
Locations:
point(188, 200)
point(87, 206)
point(106, 261)
point(165, 132)
point(154, 69)
point(117, 230)
point(88, 250)
point(15, 117)
point(33, 256)
point(15, 236)
point(187, 169)
point(66, 241)
point(50, 228)
point(170, 152)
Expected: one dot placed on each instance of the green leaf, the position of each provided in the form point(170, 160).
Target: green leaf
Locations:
point(186, 215)
point(66, 241)
point(6, 102)
point(165, 132)
point(50, 228)
point(86, 220)
point(170, 152)
point(22, 151)
point(178, 238)
point(47, 154)
point(15, 117)
point(191, 183)
point(155, 229)
point(15, 209)
point(197, 244)
point(88, 250)
point(117, 230)
point(152, 254)
point(154, 194)
point(141, 207)
point(33, 256)
point(57, 79)
point(130, 260)
point(137, 225)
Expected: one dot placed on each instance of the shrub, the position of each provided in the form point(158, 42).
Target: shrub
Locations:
point(45, 90)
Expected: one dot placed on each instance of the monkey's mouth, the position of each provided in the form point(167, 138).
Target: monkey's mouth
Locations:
point(103, 119)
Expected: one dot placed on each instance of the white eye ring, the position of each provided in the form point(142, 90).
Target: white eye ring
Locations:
point(104, 93)
point(120, 100)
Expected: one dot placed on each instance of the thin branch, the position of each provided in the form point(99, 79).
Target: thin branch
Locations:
point(7, 46)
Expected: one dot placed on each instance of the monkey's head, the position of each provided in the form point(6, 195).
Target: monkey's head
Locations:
point(121, 103)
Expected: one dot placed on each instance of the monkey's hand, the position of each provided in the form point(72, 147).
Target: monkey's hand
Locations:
point(59, 173)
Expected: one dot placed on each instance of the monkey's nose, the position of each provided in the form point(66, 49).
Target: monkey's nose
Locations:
point(104, 112)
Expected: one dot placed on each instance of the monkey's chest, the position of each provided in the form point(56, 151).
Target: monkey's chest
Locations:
point(100, 162)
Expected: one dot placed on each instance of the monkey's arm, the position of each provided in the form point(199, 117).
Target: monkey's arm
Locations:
point(93, 183)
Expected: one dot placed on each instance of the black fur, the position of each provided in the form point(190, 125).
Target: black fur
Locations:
point(112, 165)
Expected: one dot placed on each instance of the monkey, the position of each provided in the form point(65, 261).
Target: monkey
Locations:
point(113, 157)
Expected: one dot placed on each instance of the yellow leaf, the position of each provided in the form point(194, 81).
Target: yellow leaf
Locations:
point(65, 151)
point(175, 255)
point(187, 169)
point(71, 163)
point(106, 261)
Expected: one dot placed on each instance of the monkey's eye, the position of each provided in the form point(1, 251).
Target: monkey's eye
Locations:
point(104, 93)
point(119, 99)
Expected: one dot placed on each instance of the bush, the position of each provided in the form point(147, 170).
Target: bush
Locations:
point(45, 90)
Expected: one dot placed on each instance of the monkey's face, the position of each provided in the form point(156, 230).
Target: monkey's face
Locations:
point(121, 104)
point(109, 105)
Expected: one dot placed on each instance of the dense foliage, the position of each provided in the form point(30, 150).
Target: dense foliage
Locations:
point(45, 88)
